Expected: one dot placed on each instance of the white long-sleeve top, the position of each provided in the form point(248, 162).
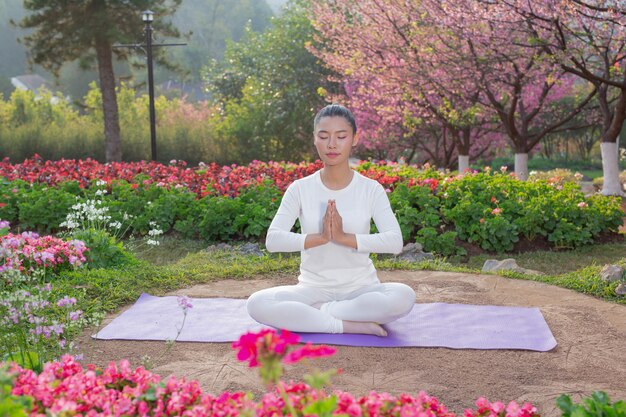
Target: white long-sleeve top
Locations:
point(332, 265)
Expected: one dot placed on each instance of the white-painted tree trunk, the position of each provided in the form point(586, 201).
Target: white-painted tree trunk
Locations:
point(610, 169)
point(463, 163)
point(521, 166)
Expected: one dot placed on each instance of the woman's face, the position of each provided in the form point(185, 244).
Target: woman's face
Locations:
point(334, 139)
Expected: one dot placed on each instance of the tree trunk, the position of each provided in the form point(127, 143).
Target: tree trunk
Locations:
point(113, 142)
point(463, 163)
point(610, 149)
point(463, 145)
point(521, 166)
point(610, 167)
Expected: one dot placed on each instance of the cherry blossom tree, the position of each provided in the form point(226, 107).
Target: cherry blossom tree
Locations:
point(407, 100)
point(449, 62)
point(587, 38)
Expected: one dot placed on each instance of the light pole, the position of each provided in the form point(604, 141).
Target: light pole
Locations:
point(148, 16)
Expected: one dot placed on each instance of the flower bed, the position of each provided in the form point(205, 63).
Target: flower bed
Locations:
point(492, 210)
point(66, 388)
point(27, 251)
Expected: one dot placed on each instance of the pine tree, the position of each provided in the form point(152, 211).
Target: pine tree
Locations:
point(85, 30)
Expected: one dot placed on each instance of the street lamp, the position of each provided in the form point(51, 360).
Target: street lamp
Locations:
point(148, 16)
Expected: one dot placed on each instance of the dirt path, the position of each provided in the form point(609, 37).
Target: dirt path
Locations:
point(590, 356)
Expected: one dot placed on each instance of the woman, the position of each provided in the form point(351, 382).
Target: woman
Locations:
point(338, 290)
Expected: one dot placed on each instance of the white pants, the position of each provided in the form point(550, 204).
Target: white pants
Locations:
point(290, 306)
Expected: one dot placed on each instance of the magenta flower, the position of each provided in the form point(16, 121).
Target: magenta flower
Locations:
point(247, 348)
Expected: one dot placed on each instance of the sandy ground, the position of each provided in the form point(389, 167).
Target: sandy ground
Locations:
point(591, 351)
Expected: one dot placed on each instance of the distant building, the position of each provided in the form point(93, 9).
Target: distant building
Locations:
point(34, 82)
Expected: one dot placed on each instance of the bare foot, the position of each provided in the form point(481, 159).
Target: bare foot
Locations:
point(364, 328)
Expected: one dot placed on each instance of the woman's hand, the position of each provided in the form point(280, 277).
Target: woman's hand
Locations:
point(336, 223)
point(327, 222)
point(337, 234)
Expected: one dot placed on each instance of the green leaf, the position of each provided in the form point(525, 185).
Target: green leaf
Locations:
point(321, 408)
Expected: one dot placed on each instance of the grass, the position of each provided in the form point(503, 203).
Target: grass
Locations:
point(178, 264)
point(592, 173)
point(169, 251)
point(557, 262)
point(575, 269)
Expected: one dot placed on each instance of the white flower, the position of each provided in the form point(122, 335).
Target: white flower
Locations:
point(153, 242)
point(115, 225)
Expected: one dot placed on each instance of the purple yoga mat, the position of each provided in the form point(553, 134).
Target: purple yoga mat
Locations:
point(457, 326)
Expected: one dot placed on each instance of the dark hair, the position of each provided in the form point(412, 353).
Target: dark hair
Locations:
point(335, 110)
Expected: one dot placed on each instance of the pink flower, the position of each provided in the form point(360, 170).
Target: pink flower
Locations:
point(184, 302)
point(496, 211)
point(497, 407)
point(582, 204)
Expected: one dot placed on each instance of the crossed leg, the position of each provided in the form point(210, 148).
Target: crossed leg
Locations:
point(309, 309)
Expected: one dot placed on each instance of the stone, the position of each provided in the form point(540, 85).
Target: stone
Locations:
point(250, 248)
point(611, 273)
point(494, 265)
point(416, 256)
point(621, 289)
point(412, 247)
point(413, 252)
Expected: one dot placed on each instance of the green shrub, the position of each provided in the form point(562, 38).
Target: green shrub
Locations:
point(494, 210)
point(597, 405)
point(443, 244)
point(416, 208)
point(45, 208)
point(104, 250)
point(246, 216)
